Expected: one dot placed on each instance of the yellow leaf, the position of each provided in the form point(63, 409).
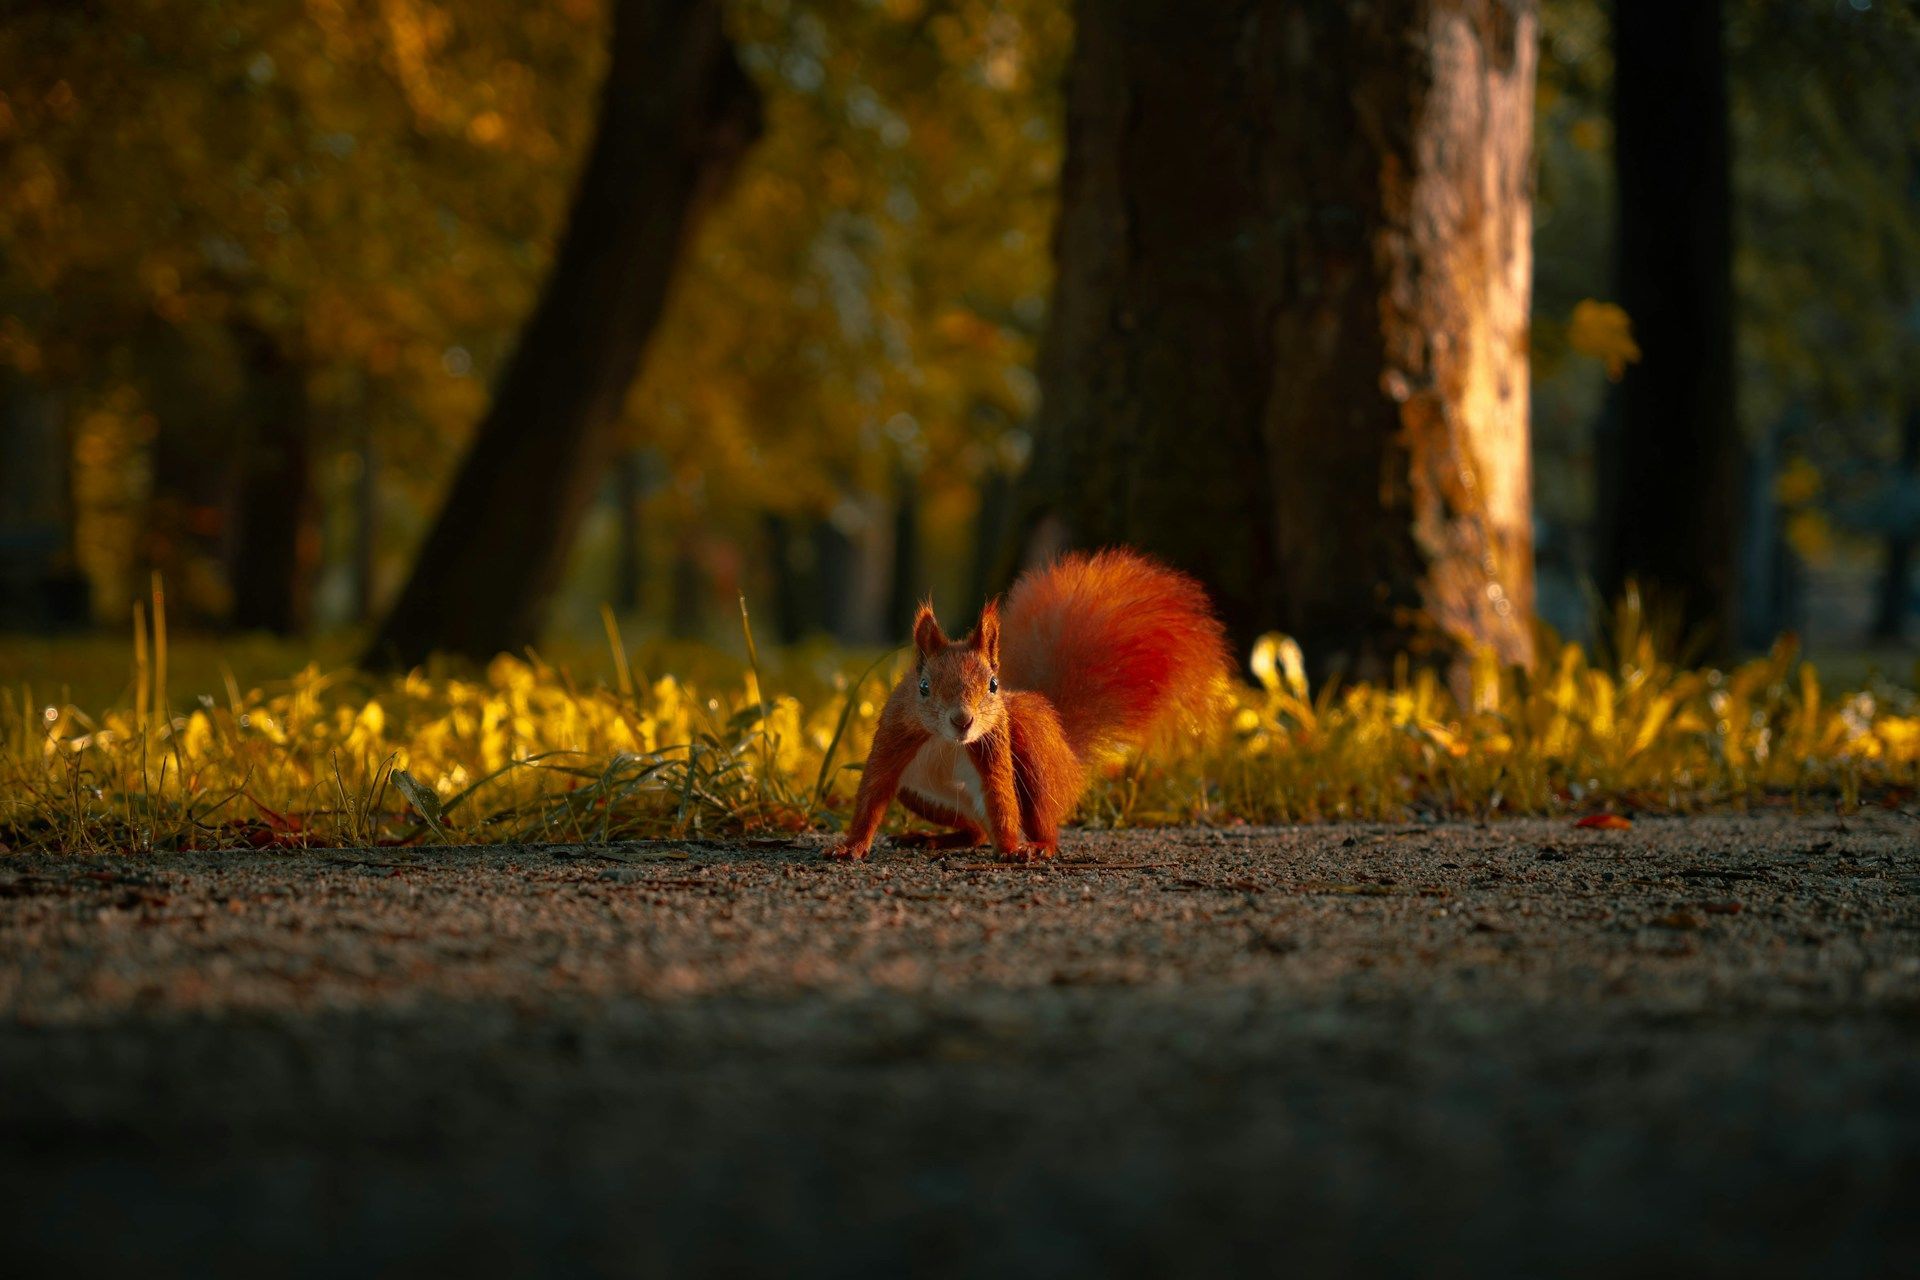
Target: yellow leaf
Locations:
point(1277, 659)
point(1603, 331)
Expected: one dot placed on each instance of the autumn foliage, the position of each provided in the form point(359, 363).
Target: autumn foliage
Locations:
point(538, 749)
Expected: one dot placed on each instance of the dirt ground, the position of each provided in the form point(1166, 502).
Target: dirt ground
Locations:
point(1694, 1045)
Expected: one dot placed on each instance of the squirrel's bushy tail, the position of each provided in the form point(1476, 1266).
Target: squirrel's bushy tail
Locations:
point(1120, 644)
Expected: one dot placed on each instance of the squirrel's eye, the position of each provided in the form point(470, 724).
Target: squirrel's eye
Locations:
point(925, 687)
point(993, 684)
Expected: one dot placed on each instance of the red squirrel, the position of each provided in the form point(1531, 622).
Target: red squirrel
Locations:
point(992, 734)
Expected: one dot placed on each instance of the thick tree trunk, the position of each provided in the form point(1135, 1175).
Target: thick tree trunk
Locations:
point(1288, 346)
point(272, 541)
point(677, 114)
point(1670, 460)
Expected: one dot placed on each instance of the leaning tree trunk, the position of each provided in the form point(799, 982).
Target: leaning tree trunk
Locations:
point(1670, 455)
point(676, 116)
point(1288, 346)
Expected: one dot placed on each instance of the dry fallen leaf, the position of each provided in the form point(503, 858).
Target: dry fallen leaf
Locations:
point(1606, 822)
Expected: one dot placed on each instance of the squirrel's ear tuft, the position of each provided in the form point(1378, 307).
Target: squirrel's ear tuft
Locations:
point(986, 636)
point(927, 636)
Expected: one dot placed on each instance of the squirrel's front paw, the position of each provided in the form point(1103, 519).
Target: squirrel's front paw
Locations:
point(1026, 853)
point(848, 851)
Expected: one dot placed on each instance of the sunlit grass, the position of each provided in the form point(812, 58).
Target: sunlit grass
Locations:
point(681, 742)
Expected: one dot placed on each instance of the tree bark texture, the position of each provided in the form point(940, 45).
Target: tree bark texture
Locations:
point(1288, 346)
point(677, 115)
point(1670, 474)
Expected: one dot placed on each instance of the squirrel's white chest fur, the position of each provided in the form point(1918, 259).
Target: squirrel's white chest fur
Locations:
point(942, 773)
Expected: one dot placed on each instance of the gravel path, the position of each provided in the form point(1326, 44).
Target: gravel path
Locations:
point(1691, 1045)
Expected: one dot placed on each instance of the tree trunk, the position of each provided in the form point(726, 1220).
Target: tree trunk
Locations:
point(677, 114)
point(989, 535)
point(785, 580)
point(835, 569)
point(199, 390)
point(1287, 349)
point(1670, 462)
point(905, 586)
point(1896, 578)
point(272, 539)
point(40, 583)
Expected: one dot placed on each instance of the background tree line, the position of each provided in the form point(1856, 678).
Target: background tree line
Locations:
point(831, 301)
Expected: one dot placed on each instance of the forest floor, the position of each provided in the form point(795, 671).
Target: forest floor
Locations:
point(1525, 1046)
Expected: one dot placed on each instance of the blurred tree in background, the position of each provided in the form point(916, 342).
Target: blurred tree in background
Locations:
point(251, 242)
point(376, 187)
point(677, 116)
point(1670, 458)
point(849, 356)
point(1826, 133)
point(1825, 230)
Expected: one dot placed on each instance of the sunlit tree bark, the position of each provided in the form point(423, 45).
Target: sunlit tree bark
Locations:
point(1288, 346)
point(676, 116)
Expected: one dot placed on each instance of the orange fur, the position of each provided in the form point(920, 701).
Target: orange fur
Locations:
point(1121, 645)
point(991, 734)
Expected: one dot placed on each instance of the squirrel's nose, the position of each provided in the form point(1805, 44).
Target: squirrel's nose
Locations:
point(962, 721)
